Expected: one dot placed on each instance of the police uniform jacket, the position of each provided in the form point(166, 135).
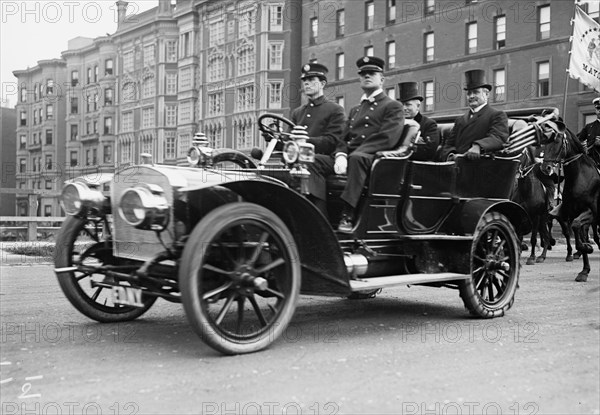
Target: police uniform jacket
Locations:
point(374, 125)
point(589, 134)
point(431, 136)
point(324, 121)
point(488, 127)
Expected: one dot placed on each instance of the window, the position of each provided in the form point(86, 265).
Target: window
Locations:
point(22, 165)
point(171, 51)
point(148, 87)
point(73, 159)
point(339, 66)
point(74, 132)
point(108, 67)
point(128, 62)
point(216, 68)
point(391, 12)
point(149, 58)
point(390, 54)
point(94, 156)
point(148, 117)
point(23, 118)
point(23, 93)
point(96, 73)
point(48, 210)
point(543, 79)
point(274, 94)
point(127, 121)
point(215, 104)
point(340, 23)
point(35, 116)
point(471, 38)
point(544, 22)
point(429, 44)
point(48, 162)
point(216, 33)
point(171, 83)
point(107, 153)
point(246, 61)
point(88, 157)
point(74, 105)
point(368, 51)
point(215, 135)
point(89, 76)
point(88, 130)
point(429, 97)
point(499, 85)
point(170, 145)
point(429, 7)
point(48, 187)
point(247, 22)
point(48, 137)
point(171, 115)
point(340, 100)
point(108, 96)
point(49, 86)
point(369, 15)
point(245, 98)
point(593, 10)
point(74, 78)
point(108, 129)
point(49, 112)
point(244, 134)
point(275, 55)
point(185, 112)
point(314, 30)
point(391, 92)
point(276, 18)
point(185, 78)
point(129, 91)
point(500, 32)
point(88, 103)
point(22, 142)
point(186, 45)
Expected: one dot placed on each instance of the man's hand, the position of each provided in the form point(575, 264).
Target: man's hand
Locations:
point(341, 163)
point(299, 134)
point(474, 152)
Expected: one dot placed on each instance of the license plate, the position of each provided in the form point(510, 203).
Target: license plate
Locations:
point(127, 296)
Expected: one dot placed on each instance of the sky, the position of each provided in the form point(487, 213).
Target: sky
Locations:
point(31, 31)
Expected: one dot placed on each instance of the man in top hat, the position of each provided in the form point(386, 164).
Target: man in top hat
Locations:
point(590, 135)
point(322, 120)
point(374, 125)
point(429, 139)
point(481, 130)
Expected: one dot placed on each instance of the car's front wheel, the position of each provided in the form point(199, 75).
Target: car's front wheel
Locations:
point(240, 278)
point(490, 291)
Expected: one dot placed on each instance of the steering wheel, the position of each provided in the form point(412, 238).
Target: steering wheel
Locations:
point(272, 125)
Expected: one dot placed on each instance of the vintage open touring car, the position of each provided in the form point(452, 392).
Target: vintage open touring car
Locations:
point(234, 239)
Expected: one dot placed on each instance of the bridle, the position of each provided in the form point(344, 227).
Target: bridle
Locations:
point(565, 148)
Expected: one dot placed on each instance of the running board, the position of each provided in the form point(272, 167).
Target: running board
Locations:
point(406, 279)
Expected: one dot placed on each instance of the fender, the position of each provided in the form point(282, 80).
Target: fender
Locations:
point(323, 268)
point(464, 218)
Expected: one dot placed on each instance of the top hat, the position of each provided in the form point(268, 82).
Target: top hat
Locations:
point(475, 78)
point(314, 69)
point(408, 91)
point(596, 101)
point(370, 64)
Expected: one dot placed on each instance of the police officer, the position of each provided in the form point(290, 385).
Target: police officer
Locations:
point(322, 120)
point(374, 125)
point(429, 139)
point(590, 135)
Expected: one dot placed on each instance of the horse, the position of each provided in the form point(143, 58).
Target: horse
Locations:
point(581, 190)
point(530, 193)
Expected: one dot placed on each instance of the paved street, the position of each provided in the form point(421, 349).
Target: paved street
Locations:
point(412, 351)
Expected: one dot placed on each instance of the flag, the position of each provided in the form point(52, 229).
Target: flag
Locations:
point(584, 63)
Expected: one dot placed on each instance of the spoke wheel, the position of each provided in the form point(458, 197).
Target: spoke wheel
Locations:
point(490, 291)
point(88, 245)
point(240, 278)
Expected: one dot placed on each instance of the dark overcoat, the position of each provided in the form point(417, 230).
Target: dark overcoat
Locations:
point(589, 134)
point(324, 121)
point(431, 135)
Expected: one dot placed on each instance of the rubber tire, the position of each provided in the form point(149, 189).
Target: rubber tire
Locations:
point(471, 298)
point(63, 257)
point(193, 258)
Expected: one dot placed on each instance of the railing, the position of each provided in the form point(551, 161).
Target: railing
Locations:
point(10, 227)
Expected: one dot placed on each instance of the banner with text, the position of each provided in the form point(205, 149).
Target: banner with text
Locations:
point(584, 63)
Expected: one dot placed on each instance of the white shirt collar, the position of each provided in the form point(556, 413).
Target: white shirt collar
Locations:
point(479, 108)
point(371, 98)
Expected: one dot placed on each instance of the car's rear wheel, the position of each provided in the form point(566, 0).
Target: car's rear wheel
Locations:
point(87, 245)
point(490, 291)
point(240, 278)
